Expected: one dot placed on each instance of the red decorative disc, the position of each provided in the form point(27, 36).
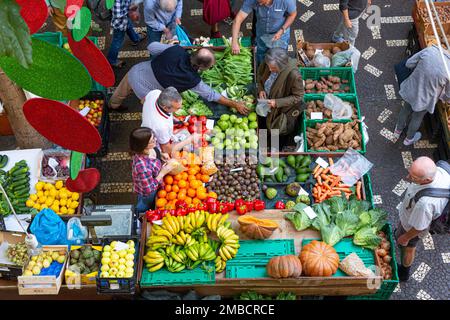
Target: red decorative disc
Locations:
point(62, 125)
point(72, 7)
point(86, 181)
point(93, 59)
point(34, 12)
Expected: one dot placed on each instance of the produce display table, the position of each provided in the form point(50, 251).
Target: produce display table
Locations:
point(306, 286)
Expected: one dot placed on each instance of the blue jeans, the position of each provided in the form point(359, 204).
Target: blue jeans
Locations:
point(117, 41)
point(261, 47)
point(146, 203)
point(153, 36)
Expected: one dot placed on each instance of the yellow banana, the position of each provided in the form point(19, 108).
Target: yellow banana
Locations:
point(154, 261)
point(156, 267)
point(231, 250)
point(163, 232)
point(208, 221)
point(201, 219)
point(226, 253)
point(154, 239)
point(223, 219)
point(167, 226)
point(181, 222)
point(230, 241)
point(222, 255)
point(153, 254)
point(215, 221)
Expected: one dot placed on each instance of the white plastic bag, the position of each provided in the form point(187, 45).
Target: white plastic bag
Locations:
point(262, 108)
point(320, 60)
point(340, 109)
point(342, 58)
point(76, 233)
point(351, 167)
point(300, 143)
point(365, 130)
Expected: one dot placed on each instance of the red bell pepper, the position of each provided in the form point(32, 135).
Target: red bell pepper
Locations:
point(259, 205)
point(202, 119)
point(180, 204)
point(230, 206)
point(191, 208)
point(191, 128)
point(241, 210)
point(172, 212)
point(280, 205)
point(210, 200)
point(192, 120)
point(202, 206)
point(152, 215)
point(249, 205)
point(212, 207)
point(181, 212)
point(223, 208)
point(239, 203)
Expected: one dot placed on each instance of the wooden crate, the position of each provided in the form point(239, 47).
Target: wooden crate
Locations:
point(307, 286)
point(43, 285)
point(9, 271)
point(325, 46)
point(429, 38)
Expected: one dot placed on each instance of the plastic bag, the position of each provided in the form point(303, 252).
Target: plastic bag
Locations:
point(267, 39)
point(262, 108)
point(49, 228)
point(343, 58)
point(300, 147)
point(76, 233)
point(182, 36)
point(320, 60)
point(340, 109)
point(177, 166)
point(365, 130)
point(351, 167)
point(353, 266)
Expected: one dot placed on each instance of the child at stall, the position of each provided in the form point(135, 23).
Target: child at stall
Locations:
point(148, 169)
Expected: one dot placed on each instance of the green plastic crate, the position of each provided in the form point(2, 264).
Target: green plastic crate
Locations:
point(368, 189)
point(346, 97)
point(218, 42)
point(50, 37)
point(345, 73)
point(346, 247)
point(186, 277)
point(311, 123)
point(387, 286)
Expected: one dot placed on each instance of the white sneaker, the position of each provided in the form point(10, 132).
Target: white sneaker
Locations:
point(417, 137)
point(397, 133)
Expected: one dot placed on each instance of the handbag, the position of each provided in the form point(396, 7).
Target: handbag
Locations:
point(402, 72)
point(215, 11)
point(182, 36)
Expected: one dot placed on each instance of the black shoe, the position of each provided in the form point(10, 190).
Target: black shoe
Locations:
point(403, 273)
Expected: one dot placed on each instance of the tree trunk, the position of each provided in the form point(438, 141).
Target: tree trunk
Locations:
point(13, 99)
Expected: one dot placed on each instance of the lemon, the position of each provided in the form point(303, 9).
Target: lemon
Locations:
point(113, 244)
point(74, 204)
point(129, 263)
point(130, 243)
point(106, 248)
point(55, 208)
point(129, 257)
point(104, 268)
point(37, 206)
point(59, 184)
point(131, 251)
point(33, 197)
point(120, 274)
point(63, 202)
point(106, 254)
point(40, 194)
point(42, 199)
point(104, 274)
point(49, 201)
point(115, 257)
point(53, 192)
point(75, 196)
point(122, 261)
point(122, 267)
point(71, 211)
point(29, 203)
point(39, 186)
point(129, 270)
point(63, 210)
point(105, 260)
point(122, 253)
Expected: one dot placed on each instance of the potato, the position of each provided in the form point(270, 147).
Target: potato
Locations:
point(336, 50)
point(309, 86)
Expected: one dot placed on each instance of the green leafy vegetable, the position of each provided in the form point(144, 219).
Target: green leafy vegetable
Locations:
point(15, 39)
point(299, 219)
point(331, 233)
point(337, 204)
point(378, 218)
point(367, 238)
point(286, 296)
point(322, 218)
point(347, 221)
point(193, 105)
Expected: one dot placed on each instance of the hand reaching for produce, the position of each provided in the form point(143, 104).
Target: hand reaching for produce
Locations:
point(241, 108)
point(272, 103)
point(403, 240)
point(278, 35)
point(235, 48)
point(178, 21)
point(348, 23)
point(165, 157)
point(262, 95)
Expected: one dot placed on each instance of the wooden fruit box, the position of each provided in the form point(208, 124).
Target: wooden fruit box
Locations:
point(325, 46)
point(43, 285)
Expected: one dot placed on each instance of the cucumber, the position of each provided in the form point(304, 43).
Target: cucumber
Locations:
point(22, 190)
point(18, 172)
point(20, 177)
point(20, 184)
point(3, 160)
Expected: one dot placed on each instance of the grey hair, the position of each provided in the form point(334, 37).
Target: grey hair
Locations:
point(278, 57)
point(168, 5)
point(167, 96)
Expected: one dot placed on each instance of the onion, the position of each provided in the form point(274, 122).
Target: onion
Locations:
point(387, 258)
point(381, 252)
point(385, 245)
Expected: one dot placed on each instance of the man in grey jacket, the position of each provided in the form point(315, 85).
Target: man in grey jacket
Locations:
point(348, 28)
point(427, 84)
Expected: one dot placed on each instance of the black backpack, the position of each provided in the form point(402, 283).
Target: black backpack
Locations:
point(441, 224)
point(99, 9)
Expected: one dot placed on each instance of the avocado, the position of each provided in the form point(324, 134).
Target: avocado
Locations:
point(279, 174)
point(298, 161)
point(306, 161)
point(75, 254)
point(303, 170)
point(291, 161)
point(302, 177)
point(87, 253)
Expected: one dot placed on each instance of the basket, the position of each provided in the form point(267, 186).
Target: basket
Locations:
point(345, 97)
point(345, 73)
point(74, 279)
point(54, 38)
point(218, 42)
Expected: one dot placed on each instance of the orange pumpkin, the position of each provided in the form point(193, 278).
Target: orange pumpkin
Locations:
point(319, 259)
point(255, 228)
point(284, 267)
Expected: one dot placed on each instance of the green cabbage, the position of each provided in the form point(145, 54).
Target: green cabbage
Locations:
point(347, 221)
point(367, 238)
point(331, 234)
point(337, 204)
point(378, 218)
point(321, 219)
point(299, 219)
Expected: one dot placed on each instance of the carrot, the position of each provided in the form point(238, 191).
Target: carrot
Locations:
point(318, 172)
point(330, 160)
point(336, 181)
point(325, 177)
point(358, 190)
point(315, 169)
point(323, 196)
point(327, 170)
point(334, 193)
point(342, 189)
point(319, 180)
point(315, 190)
point(326, 186)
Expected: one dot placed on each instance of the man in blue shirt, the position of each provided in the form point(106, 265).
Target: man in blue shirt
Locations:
point(273, 19)
point(162, 16)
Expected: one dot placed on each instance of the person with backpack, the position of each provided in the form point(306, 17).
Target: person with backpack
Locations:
point(424, 209)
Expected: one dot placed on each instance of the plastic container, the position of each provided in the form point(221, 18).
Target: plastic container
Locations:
point(186, 277)
point(218, 42)
point(345, 97)
point(50, 37)
point(119, 285)
point(345, 73)
point(52, 153)
point(312, 123)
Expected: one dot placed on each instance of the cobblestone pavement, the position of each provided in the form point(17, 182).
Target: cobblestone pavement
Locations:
point(377, 89)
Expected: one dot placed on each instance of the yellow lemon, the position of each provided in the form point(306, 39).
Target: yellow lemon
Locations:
point(59, 184)
point(63, 202)
point(75, 196)
point(33, 197)
point(63, 210)
point(29, 203)
point(55, 208)
point(37, 206)
point(39, 186)
point(53, 192)
point(42, 199)
point(40, 194)
point(74, 205)
point(71, 211)
point(49, 201)
point(46, 193)
point(122, 253)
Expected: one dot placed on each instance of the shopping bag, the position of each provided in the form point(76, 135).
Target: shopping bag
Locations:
point(49, 228)
point(215, 11)
point(182, 37)
point(402, 72)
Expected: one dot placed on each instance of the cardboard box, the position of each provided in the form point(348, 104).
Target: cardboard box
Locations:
point(10, 271)
point(43, 285)
point(75, 279)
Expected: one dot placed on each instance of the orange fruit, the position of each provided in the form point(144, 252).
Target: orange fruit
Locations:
point(181, 196)
point(192, 171)
point(201, 189)
point(162, 193)
point(212, 194)
point(204, 178)
point(191, 192)
point(182, 184)
point(161, 203)
point(175, 188)
point(178, 177)
point(195, 184)
point(170, 206)
point(198, 176)
point(172, 195)
point(202, 195)
point(188, 200)
point(196, 201)
point(184, 175)
point(168, 180)
point(168, 188)
point(191, 177)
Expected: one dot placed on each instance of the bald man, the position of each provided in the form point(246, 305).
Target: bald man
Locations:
point(416, 217)
point(171, 66)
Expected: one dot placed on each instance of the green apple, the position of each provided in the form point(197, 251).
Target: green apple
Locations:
point(238, 120)
point(225, 117)
point(233, 118)
point(252, 116)
point(253, 125)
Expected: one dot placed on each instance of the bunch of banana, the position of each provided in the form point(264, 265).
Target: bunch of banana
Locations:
point(230, 243)
point(200, 234)
point(220, 264)
point(183, 239)
point(187, 226)
point(224, 234)
point(173, 265)
point(227, 252)
point(177, 254)
point(155, 242)
point(213, 244)
point(154, 260)
point(171, 224)
point(213, 221)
